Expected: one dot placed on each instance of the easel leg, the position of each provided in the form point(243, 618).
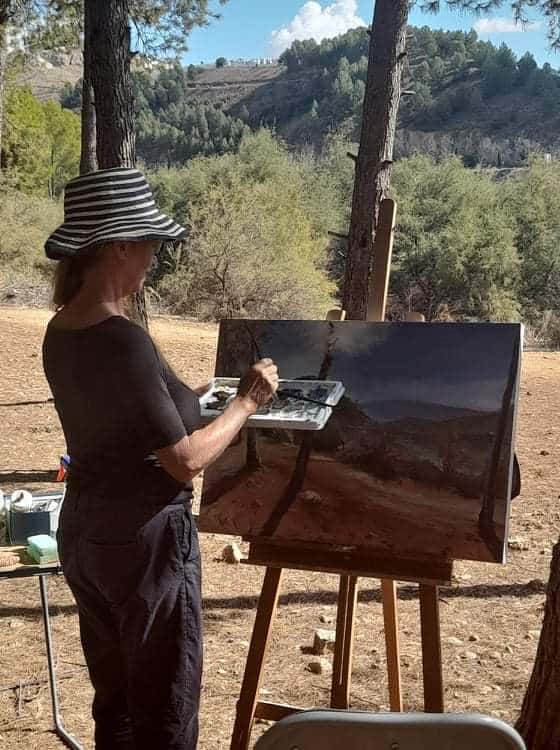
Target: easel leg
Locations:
point(266, 612)
point(392, 646)
point(431, 649)
point(67, 739)
point(342, 662)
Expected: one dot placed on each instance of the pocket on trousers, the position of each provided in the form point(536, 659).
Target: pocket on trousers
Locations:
point(114, 569)
point(185, 535)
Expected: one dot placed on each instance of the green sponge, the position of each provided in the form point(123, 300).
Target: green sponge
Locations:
point(42, 548)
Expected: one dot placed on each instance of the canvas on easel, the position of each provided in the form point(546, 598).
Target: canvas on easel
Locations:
point(413, 462)
point(347, 562)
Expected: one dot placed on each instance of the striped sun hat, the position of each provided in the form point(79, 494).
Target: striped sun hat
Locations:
point(109, 205)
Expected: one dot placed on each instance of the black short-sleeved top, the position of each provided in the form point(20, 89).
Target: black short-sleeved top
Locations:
point(118, 401)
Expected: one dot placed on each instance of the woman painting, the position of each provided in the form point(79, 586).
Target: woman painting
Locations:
point(127, 540)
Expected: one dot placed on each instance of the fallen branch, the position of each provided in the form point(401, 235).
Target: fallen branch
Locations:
point(28, 403)
point(19, 685)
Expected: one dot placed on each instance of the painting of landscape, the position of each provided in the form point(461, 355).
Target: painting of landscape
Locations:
point(414, 461)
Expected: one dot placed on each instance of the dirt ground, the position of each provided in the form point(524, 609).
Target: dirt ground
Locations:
point(490, 617)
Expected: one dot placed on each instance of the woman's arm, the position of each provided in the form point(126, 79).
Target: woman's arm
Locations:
point(193, 453)
point(200, 390)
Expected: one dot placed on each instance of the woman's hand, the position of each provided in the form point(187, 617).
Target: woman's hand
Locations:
point(259, 384)
point(190, 455)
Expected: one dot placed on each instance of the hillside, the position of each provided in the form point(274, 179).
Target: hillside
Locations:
point(463, 96)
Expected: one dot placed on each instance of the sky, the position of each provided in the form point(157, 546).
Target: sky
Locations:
point(263, 28)
point(460, 366)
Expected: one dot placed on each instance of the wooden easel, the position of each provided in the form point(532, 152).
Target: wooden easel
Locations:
point(349, 566)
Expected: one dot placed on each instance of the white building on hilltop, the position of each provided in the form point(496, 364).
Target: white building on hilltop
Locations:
point(252, 63)
point(15, 40)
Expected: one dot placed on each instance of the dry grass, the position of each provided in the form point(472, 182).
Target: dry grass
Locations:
point(499, 607)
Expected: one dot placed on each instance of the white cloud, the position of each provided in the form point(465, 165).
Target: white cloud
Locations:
point(315, 22)
point(502, 25)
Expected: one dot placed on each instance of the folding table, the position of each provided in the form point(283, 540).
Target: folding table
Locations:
point(23, 570)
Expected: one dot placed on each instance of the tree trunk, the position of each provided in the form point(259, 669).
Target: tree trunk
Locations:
point(88, 156)
point(110, 76)
point(539, 722)
point(373, 165)
point(3, 64)
point(109, 72)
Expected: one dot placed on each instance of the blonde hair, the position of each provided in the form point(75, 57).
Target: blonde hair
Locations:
point(69, 277)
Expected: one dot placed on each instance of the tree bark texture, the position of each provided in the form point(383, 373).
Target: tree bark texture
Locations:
point(539, 722)
point(110, 76)
point(373, 164)
point(88, 156)
point(107, 66)
point(3, 64)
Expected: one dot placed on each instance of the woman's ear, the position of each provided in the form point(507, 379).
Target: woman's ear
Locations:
point(121, 250)
point(113, 251)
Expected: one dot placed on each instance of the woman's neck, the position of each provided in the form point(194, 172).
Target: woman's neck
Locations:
point(85, 310)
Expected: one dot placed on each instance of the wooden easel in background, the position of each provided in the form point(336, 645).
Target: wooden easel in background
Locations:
point(350, 567)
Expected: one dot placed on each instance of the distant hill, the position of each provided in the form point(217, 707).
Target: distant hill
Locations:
point(397, 411)
point(464, 96)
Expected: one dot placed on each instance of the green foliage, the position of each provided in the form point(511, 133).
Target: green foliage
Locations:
point(499, 72)
point(353, 45)
point(526, 67)
point(452, 74)
point(27, 221)
point(71, 95)
point(454, 246)
point(221, 62)
point(25, 147)
point(534, 201)
point(193, 71)
point(548, 8)
point(161, 26)
point(63, 129)
point(171, 128)
point(41, 145)
point(454, 77)
point(164, 25)
point(466, 246)
point(253, 249)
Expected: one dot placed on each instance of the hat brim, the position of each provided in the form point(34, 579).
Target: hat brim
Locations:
point(70, 240)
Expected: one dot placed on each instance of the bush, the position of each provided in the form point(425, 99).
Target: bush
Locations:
point(41, 145)
point(534, 201)
point(545, 332)
point(253, 249)
point(26, 222)
point(454, 242)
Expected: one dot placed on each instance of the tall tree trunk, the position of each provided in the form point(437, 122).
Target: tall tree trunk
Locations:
point(3, 64)
point(373, 165)
point(110, 76)
point(539, 722)
point(88, 156)
point(109, 72)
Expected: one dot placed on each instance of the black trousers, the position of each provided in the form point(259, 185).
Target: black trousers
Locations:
point(135, 574)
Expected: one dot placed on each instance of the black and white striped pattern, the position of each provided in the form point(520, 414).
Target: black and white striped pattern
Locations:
point(109, 205)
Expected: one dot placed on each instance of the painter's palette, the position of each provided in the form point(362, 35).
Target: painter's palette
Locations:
point(298, 405)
